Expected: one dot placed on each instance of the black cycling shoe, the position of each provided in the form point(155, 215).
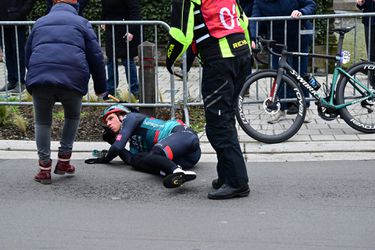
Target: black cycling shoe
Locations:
point(217, 183)
point(178, 177)
point(228, 192)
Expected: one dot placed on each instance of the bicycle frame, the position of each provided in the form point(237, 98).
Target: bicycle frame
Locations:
point(285, 68)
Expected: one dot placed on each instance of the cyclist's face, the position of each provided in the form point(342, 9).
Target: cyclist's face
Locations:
point(113, 122)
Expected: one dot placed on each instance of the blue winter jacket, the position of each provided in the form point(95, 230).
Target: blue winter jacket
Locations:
point(268, 8)
point(63, 50)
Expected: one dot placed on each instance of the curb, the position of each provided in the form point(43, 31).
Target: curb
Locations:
point(253, 151)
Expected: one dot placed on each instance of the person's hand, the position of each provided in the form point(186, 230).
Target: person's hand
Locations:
point(361, 2)
point(102, 26)
point(108, 135)
point(296, 14)
point(95, 160)
point(253, 45)
point(128, 36)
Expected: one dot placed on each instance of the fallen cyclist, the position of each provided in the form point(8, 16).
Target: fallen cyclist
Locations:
point(165, 148)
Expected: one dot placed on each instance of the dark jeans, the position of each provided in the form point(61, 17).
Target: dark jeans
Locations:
point(221, 83)
point(11, 58)
point(44, 98)
point(371, 48)
point(132, 80)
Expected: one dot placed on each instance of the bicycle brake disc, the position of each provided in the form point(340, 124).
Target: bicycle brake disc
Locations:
point(271, 107)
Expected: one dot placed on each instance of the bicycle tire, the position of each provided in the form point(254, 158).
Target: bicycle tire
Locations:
point(357, 116)
point(253, 114)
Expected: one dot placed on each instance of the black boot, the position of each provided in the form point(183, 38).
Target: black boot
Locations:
point(217, 183)
point(228, 192)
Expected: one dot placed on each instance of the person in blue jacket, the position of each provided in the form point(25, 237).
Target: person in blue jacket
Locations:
point(166, 148)
point(61, 52)
point(295, 9)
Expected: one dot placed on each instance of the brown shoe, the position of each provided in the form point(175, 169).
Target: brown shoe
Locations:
point(63, 164)
point(44, 175)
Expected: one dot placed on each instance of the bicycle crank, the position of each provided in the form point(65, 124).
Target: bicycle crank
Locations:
point(326, 113)
point(367, 104)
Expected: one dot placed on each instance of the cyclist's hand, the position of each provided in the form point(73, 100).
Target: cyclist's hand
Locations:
point(296, 13)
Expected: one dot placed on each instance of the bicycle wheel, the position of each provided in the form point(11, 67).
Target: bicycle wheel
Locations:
point(360, 115)
point(255, 110)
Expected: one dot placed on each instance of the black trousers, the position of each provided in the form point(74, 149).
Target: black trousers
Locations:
point(14, 65)
point(221, 83)
point(370, 41)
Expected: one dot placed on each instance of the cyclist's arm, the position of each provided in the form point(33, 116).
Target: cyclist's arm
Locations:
point(129, 125)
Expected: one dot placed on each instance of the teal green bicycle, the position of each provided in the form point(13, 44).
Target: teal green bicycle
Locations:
point(350, 95)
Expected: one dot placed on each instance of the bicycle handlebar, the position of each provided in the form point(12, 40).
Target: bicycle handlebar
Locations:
point(270, 45)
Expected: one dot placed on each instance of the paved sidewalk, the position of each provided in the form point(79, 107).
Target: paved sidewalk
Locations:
point(317, 141)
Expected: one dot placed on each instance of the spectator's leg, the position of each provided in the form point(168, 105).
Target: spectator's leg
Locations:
point(133, 79)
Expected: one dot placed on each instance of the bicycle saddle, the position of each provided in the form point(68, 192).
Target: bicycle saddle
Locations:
point(343, 30)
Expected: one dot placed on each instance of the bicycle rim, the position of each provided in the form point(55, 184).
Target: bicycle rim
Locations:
point(360, 115)
point(256, 114)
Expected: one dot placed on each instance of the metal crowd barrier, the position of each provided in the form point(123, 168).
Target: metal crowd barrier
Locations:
point(169, 91)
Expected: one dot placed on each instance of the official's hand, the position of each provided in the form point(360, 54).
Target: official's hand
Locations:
point(95, 160)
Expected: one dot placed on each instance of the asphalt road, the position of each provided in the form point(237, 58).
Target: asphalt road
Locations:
point(293, 205)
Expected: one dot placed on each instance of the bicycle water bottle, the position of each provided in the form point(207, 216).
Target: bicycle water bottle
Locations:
point(312, 81)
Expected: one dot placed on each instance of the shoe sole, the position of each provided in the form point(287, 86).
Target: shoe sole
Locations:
point(177, 179)
point(48, 181)
point(292, 112)
point(60, 172)
point(279, 120)
point(234, 195)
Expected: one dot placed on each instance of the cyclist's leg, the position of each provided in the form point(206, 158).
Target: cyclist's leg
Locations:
point(182, 147)
point(153, 162)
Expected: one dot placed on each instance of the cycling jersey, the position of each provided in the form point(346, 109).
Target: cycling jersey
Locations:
point(142, 132)
point(218, 28)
